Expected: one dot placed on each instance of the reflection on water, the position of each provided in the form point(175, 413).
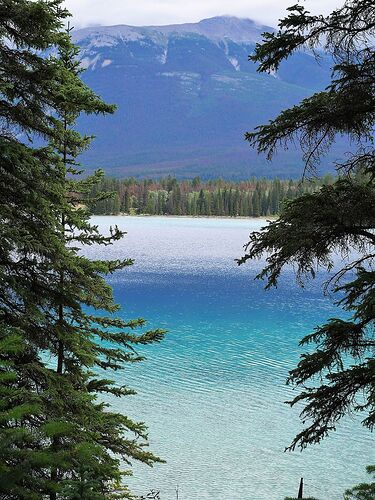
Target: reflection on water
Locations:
point(213, 392)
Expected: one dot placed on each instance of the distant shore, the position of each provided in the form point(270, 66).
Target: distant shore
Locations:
point(170, 216)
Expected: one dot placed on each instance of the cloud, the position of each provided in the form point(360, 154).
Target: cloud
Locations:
point(148, 12)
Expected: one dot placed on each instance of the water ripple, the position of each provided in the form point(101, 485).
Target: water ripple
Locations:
point(213, 392)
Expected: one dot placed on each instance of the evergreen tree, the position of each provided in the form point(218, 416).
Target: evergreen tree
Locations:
point(126, 204)
point(57, 438)
point(207, 203)
point(30, 182)
point(196, 182)
point(256, 203)
point(338, 218)
point(214, 197)
point(363, 491)
point(201, 203)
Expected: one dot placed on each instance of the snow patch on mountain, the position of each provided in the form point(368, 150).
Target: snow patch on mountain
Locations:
point(106, 62)
point(235, 63)
point(182, 75)
point(190, 82)
point(88, 62)
point(163, 57)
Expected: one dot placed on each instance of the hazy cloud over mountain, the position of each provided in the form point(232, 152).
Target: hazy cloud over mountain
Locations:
point(146, 12)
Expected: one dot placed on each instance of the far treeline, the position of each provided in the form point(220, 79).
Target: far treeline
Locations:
point(168, 196)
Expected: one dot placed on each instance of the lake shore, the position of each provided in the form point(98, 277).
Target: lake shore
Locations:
point(170, 216)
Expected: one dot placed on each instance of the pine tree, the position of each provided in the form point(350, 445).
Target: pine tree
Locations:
point(338, 218)
point(58, 439)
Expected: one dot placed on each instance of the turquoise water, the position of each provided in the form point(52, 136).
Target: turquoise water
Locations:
point(213, 392)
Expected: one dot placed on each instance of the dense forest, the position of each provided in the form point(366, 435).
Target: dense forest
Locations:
point(168, 196)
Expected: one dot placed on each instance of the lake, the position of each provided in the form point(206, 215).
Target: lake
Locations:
point(213, 393)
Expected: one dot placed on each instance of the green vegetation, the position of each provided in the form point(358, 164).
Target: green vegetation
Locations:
point(337, 377)
point(59, 339)
point(364, 491)
point(252, 198)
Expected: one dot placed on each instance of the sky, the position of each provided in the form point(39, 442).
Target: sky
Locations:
point(159, 12)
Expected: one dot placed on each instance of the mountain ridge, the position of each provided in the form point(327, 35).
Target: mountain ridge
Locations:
point(186, 94)
point(219, 27)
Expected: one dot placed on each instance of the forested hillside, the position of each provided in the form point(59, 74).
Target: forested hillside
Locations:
point(168, 196)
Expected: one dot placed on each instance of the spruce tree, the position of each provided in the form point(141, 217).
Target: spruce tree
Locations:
point(340, 218)
point(58, 438)
point(363, 491)
point(30, 185)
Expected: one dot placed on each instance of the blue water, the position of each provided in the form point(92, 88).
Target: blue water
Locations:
point(213, 393)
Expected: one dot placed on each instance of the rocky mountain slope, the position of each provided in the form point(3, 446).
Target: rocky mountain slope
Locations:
point(186, 94)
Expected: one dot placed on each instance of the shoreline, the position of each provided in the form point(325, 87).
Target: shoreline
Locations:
point(170, 216)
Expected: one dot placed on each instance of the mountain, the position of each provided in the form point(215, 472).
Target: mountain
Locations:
point(186, 94)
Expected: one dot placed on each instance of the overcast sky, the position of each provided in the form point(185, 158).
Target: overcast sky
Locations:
point(146, 12)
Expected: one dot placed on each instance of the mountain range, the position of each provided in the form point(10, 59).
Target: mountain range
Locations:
point(185, 96)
